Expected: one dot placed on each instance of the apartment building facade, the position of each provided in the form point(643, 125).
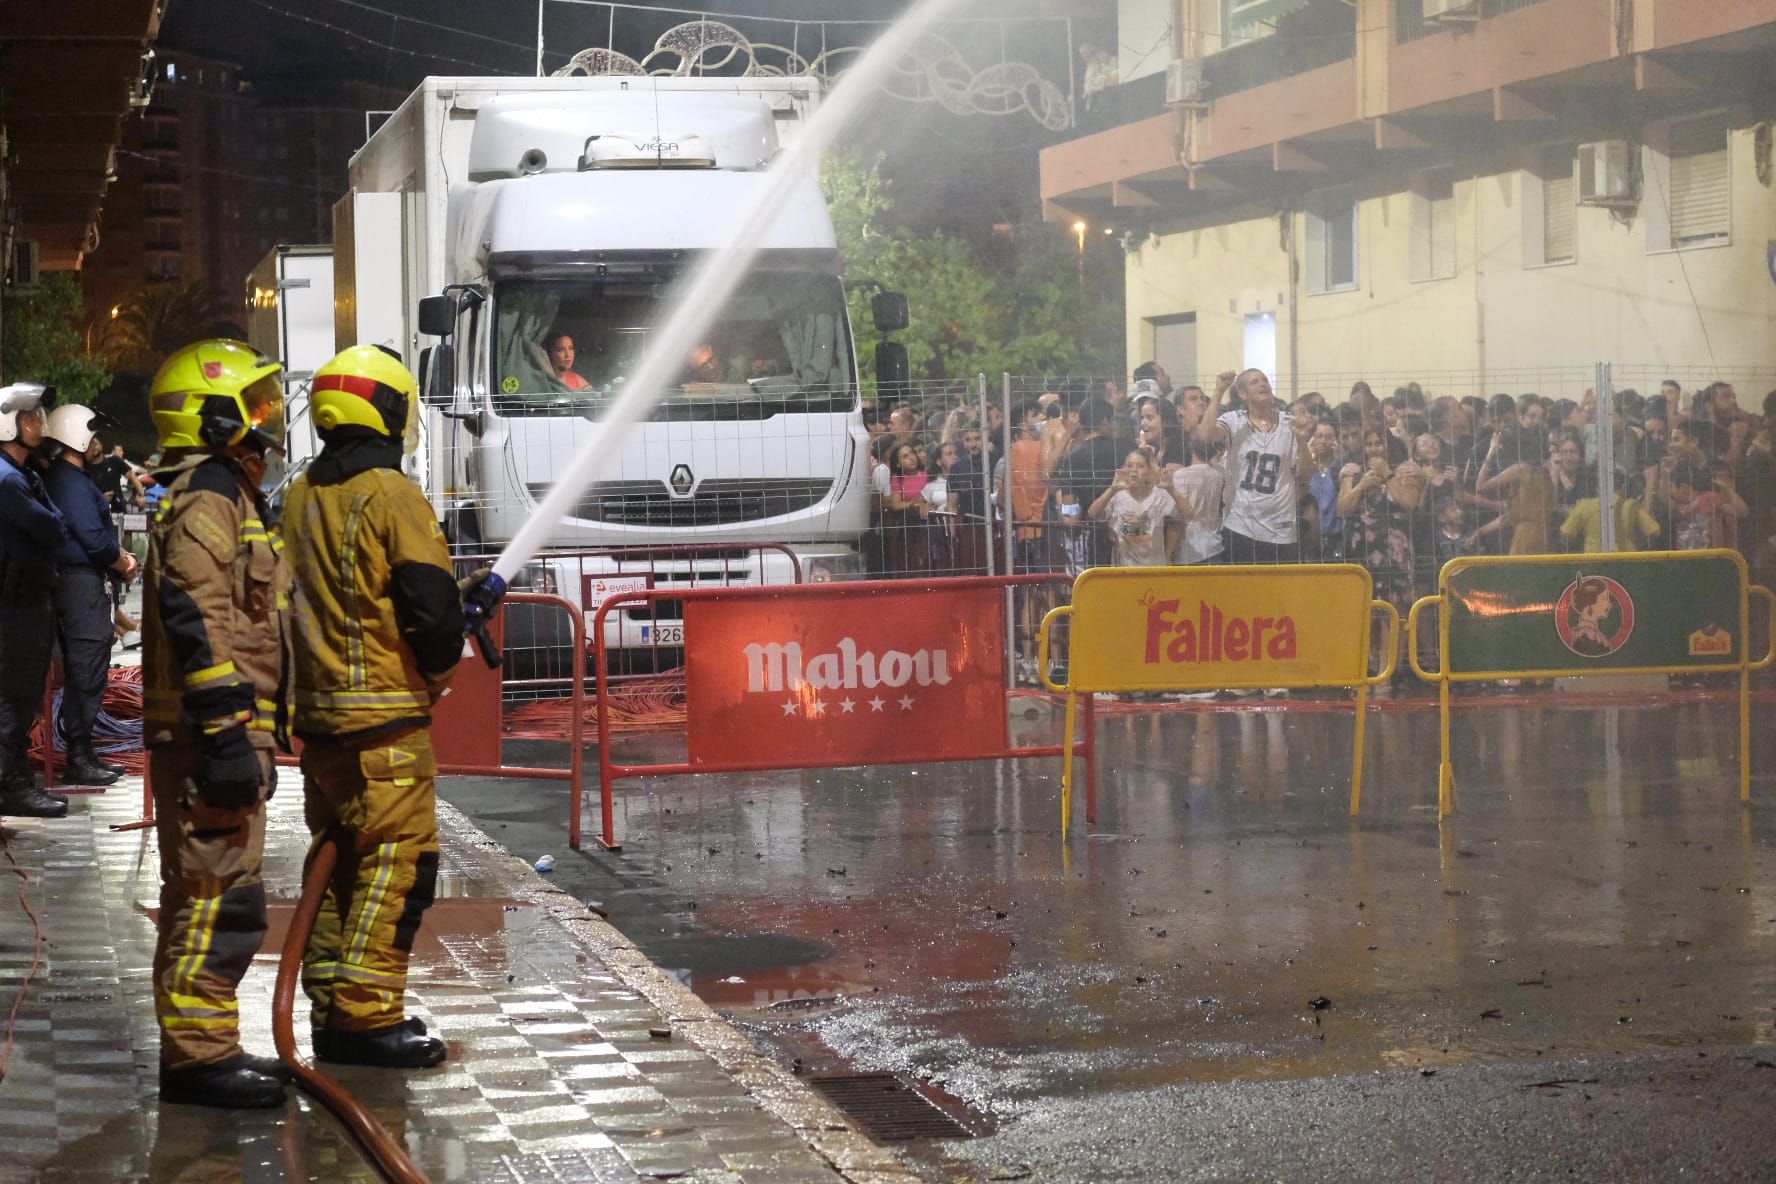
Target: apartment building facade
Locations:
point(1467, 191)
point(211, 176)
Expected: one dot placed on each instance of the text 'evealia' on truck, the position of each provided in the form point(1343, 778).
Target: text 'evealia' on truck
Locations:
point(537, 213)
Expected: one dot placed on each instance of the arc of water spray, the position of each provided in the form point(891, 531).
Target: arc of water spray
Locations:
point(714, 280)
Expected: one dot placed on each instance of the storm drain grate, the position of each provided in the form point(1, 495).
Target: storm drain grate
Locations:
point(887, 1107)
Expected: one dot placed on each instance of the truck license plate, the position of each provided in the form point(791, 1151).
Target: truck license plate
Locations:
point(673, 634)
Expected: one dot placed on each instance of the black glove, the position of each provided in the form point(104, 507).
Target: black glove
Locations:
point(482, 592)
point(231, 774)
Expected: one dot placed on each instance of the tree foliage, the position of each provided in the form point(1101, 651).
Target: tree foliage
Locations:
point(42, 341)
point(161, 319)
point(1047, 308)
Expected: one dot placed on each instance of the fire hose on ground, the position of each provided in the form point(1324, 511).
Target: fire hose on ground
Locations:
point(385, 1155)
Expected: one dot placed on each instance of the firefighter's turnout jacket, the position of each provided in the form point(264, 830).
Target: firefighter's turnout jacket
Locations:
point(378, 631)
point(378, 614)
point(216, 599)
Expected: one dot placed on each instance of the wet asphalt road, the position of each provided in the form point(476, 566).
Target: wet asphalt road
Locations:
point(1226, 978)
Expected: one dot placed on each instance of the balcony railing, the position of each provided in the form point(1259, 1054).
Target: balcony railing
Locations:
point(1114, 106)
point(1318, 34)
point(1410, 22)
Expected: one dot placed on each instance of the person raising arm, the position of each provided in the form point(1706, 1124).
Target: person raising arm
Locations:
point(1266, 456)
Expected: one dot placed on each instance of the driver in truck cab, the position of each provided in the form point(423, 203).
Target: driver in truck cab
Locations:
point(560, 347)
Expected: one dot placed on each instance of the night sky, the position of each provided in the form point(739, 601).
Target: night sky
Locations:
point(965, 173)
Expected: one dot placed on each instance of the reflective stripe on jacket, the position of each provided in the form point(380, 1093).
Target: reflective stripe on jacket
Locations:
point(216, 607)
point(378, 624)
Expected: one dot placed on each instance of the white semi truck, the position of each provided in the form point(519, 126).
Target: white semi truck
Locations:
point(538, 213)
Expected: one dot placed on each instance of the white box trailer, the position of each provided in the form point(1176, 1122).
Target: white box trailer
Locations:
point(558, 214)
point(290, 318)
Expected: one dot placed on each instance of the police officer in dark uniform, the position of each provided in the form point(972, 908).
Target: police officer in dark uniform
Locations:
point(86, 558)
point(30, 532)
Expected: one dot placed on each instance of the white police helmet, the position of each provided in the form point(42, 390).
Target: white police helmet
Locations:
point(74, 426)
point(18, 398)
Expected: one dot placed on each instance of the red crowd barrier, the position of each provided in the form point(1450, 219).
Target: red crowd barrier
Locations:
point(831, 675)
point(466, 723)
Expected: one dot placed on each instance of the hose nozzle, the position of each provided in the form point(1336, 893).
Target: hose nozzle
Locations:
point(482, 593)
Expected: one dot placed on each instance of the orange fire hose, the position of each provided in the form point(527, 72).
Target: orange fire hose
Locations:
point(388, 1157)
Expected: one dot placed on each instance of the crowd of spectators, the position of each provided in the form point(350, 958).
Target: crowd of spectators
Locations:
point(1161, 474)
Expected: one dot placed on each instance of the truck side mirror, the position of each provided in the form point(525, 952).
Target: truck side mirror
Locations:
point(890, 311)
point(438, 375)
point(892, 369)
point(437, 316)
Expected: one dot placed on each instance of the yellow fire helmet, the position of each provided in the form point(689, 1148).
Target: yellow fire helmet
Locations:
point(366, 386)
point(215, 393)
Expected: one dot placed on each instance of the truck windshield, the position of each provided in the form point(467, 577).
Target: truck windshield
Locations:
point(566, 347)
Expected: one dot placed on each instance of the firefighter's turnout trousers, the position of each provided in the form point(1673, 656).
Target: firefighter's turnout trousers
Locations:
point(378, 628)
point(216, 601)
point(381, 804)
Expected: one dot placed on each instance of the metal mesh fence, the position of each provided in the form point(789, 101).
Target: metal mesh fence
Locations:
point(1000, 477)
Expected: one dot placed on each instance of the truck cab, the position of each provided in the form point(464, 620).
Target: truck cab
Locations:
point(572, 210)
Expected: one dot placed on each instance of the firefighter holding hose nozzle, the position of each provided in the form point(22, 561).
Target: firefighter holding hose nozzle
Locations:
point(379, 629)
point(215, 657)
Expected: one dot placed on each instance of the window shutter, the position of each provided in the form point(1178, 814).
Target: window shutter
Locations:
point(1443, 237)
point(1699, 202)
point(1558, 212)
point(1422, 219)
point(1341, 248)
point(1316, 251)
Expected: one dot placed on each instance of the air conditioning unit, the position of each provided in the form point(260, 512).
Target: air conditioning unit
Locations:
point(1451, 11)
point(1184, 83)
point(21, 270)
point(1606, 175)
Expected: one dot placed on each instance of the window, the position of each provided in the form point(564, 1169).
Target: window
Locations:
point(1247, 19)
point(1685, 198)
point(1174, 346)
point(1260, 343)
point(1332, 247)
point(1549, 205)
point(779, 346)
point(1698, 193)
point(1559, 216)
point(1433, 227)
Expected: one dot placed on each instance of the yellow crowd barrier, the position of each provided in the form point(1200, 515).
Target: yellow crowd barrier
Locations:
point(1564, 616)
point(1185, 629)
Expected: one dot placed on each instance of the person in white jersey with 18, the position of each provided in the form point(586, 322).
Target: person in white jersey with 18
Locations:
point(1266, 454)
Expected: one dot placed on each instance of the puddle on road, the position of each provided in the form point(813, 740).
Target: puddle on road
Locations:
point(498, 926)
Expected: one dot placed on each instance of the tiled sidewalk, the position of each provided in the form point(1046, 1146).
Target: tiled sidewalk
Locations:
point(572, 1057)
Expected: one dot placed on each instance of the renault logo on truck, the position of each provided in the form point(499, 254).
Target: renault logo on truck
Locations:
point(681, 481)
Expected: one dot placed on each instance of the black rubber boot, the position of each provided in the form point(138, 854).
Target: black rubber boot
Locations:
point(399, 1046)
point(226, 1085)
point(270, 1067)
point(84, 768)
point(22, 797)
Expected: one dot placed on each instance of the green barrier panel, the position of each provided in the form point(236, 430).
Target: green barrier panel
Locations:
point(1547, 616)
point(1563, 616)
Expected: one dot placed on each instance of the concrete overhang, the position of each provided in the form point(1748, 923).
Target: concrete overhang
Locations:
point(69, 73)
point(1558, 70)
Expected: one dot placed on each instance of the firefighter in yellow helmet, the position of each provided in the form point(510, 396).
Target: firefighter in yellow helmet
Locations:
point(216, 597)
point(379, 628)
